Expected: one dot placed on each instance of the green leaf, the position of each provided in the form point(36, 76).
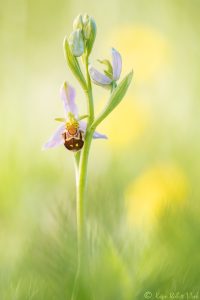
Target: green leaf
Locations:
point(115, 98)
point(74, 64)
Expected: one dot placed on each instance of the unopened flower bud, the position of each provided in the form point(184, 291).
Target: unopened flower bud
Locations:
point(78, 22)
point(76, 42)
point(89, 31)
point(85, 19)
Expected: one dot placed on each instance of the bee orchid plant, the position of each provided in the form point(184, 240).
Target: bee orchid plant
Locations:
point(74, 133)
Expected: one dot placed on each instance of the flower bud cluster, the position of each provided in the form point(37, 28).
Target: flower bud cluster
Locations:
point(82, 38)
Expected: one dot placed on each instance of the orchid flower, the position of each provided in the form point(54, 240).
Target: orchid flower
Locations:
point(72, 130)
point(111, 75)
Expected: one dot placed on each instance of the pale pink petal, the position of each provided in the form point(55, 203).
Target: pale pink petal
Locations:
point(82, 125)
point(56, 139)
point(96, 135)
point(99, 78)
point(68, 94)
point(116, 64)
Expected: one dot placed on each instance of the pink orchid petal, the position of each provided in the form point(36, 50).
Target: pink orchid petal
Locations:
point(56, 139)
point(96, 135)
point(82, 126)
point(99, 78)
point(116, 64)
point(68, 94)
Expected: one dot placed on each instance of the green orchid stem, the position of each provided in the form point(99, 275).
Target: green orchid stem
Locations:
point(81, 191)
point(81, 186)
point(89, 94)
point(81, 165)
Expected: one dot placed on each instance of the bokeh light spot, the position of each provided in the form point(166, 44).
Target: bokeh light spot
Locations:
point(155, 189)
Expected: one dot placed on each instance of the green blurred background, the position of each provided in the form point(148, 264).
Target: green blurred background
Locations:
point(143, 186)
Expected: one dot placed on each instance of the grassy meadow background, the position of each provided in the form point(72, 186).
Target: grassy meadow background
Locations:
point(143, 224)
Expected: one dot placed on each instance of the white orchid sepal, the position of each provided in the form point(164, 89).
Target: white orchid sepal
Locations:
point(109, 78)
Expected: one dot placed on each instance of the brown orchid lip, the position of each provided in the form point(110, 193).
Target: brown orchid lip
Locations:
point(73, 140)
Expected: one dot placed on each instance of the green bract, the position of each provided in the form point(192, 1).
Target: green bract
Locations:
point(115, 98)
point(74, 64)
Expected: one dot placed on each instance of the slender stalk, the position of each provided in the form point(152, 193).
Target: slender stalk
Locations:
point(81, 188)
point(76, 163)
point(89, 95)
point(81, 163)
point(81, 185)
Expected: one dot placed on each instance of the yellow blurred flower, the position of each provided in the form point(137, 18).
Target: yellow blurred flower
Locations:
point(126, 123)
point(143, 48)
point(154, 190)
